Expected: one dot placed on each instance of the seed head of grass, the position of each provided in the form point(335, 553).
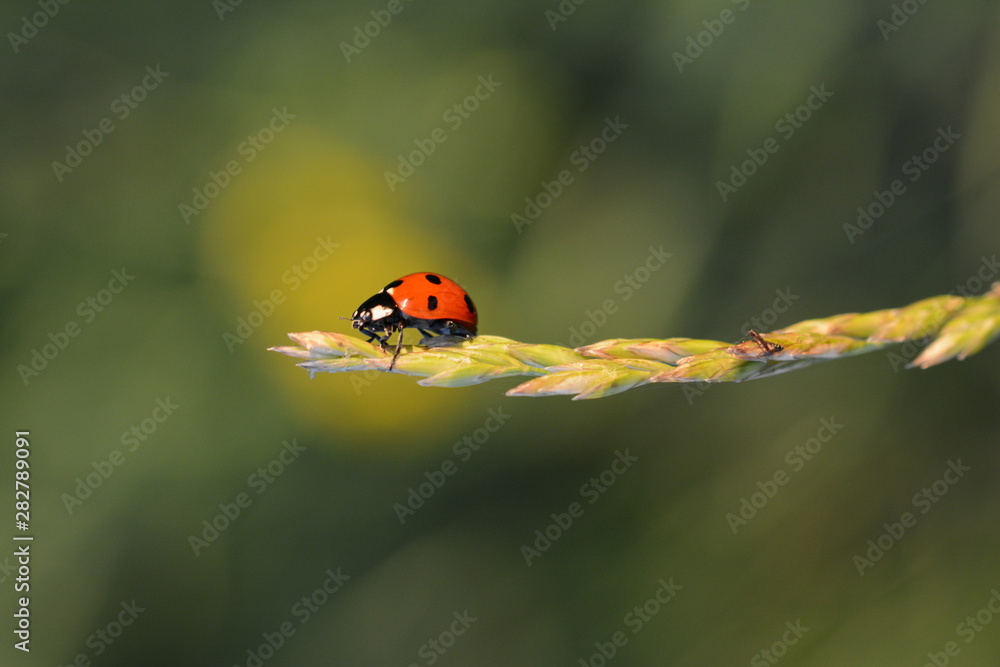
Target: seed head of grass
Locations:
point(954, 328)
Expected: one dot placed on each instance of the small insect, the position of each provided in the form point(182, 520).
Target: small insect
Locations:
point(767, 348)
point(428, 302)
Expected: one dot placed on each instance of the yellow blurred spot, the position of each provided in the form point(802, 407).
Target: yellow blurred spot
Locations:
point(314, 226)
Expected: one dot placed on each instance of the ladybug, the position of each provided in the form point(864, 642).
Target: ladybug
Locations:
point(428, 302)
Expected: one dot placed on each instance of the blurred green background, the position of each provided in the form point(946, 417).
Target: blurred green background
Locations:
point(242, 182)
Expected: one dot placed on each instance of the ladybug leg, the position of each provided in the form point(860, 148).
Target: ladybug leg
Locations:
point(399, 347)
point(374, 335)
point(425, 332)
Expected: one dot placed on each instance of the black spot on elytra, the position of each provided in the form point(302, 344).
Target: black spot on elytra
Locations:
point(394, 283)
point(468, 304)
point(431, 278)
point(432, 302)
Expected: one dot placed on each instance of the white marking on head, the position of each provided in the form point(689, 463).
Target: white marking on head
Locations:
point(378, 312)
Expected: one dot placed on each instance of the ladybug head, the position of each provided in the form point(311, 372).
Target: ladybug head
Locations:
point(379, 311)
